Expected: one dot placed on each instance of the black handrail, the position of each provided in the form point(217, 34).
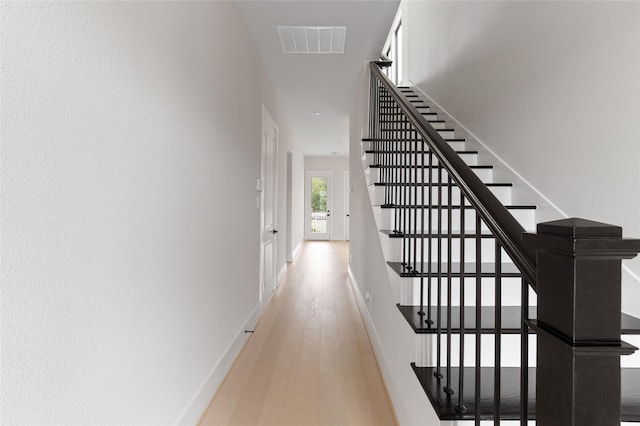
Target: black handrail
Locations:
point(383, 62)
point(502, 223)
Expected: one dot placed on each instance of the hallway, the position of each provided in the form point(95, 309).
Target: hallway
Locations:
point(309, 361)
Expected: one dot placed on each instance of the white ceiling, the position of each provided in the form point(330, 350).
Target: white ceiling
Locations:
point(324, 83)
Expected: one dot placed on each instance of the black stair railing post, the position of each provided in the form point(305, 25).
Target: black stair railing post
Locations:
point(579, 321)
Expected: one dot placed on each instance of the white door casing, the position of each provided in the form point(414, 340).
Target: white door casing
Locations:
point(268, 206)
point(347, 199)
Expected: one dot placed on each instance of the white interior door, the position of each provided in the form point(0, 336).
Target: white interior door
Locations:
point(268, 205)
point(318, 205)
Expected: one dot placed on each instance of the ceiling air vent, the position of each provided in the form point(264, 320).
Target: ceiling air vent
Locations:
point(313, 40)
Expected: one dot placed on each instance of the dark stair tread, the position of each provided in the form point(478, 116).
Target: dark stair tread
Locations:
point(511, 319)
point(491, 184)
point(409, 140)
point(426, 166)
point(393, 234)
point(390, 140)
point(449, 129)
point(444, 404)
point(453, 207)
point(380, 151)
point(509, 270)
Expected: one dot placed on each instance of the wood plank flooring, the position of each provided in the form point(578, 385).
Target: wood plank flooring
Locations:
point(309, 361)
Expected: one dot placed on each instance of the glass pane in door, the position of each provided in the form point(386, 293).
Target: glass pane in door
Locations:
point(318, 205)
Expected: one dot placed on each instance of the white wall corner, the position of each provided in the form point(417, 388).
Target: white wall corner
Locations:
point(204, 394)
point(387, 376)
point(296, 251)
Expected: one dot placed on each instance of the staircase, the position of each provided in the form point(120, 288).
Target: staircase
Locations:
point(466, 280)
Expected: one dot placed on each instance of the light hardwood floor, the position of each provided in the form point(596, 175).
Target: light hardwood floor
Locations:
point(309, 361)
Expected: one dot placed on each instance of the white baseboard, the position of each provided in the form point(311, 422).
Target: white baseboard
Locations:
point(203, 396)
point(281, 274)
point(387, 376)
point(296, 251)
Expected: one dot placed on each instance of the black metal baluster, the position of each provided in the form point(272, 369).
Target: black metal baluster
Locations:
point(430, 231)
point(422, 236)
point(460, 408)
point(498, 324)
point(414, 186)
point(448, 389)
point(438, 373)
point(524, 355)
point(380, 114)
point(406, 217)
point(411, 201)
point(478, 272)
point(397, 171)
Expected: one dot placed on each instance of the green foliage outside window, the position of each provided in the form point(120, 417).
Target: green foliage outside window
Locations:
point(318, 195)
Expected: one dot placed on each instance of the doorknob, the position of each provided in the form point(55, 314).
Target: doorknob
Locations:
point(275, 231)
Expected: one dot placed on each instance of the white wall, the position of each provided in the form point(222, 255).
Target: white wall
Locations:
point(552, 88)
point(297, 205)
point(130, 232)
point(336, 165)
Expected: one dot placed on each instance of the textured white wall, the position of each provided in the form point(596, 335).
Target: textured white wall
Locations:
point(337, 165)
point(297, 213)
point(130, 233)
point(551, 87)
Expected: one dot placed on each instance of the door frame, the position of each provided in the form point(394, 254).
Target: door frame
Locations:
point(347, 198)
point(307, 202)
point(268, 122)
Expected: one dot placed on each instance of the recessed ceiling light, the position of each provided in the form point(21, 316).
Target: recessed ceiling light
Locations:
point(312, 40)
point(334, 152)
point(316, 112)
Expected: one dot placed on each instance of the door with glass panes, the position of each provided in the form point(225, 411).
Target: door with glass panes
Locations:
point(318, 205)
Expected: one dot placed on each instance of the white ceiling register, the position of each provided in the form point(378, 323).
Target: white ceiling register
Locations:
point(313, 40)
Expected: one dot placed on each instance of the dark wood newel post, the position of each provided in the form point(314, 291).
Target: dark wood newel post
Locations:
point(578, 325)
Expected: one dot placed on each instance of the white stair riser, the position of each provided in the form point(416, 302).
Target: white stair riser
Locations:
point(375, 174)
point(426, 350)
point(631, 361)
point(396, 247)
point(503, 193)
point(388, 128)
point(396, 123)
point(438, 124)
point(423, 108)
point(386, 219)
point(369, 159)
point(408, 146)
point(410, 291)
